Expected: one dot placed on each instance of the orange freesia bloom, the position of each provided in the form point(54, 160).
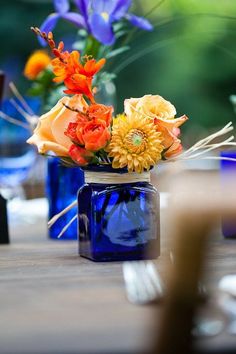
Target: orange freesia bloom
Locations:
point(79, 84)
point(65, 66)
point(76, 76)
point(91, 67)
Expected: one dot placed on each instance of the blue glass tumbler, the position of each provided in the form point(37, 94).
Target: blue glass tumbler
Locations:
point(61, 188)
point(228, 170)
point(118, 222)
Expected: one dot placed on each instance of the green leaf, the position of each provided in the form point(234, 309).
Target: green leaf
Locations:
point(45, 77)
point(104, 77)
point(54, 96)
point(121, 33)
point(117, 51)
point(95, 160)
point(36, 90)
point(118, 26)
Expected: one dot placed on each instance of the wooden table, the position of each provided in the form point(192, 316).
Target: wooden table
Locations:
point(53, 301)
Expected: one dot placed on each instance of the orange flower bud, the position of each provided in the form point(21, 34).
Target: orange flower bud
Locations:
point(80, 155)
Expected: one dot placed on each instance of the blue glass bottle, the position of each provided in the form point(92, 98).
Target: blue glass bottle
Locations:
point(228, 173)
point(118, 222)
point(61, 189)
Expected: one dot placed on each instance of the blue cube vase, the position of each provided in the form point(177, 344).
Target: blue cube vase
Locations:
point(61, 189)
point(228, 172)
point(118, 221)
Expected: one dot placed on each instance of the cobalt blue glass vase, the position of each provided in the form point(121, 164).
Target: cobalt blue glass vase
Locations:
point(61, 189)
point(117, 220)
point(228, 173)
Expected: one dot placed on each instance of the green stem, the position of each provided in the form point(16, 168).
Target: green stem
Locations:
point(92, 47)
point(154, 8)
point(134, 30)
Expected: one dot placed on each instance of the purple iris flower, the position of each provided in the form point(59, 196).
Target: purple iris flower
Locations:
point(99, 16)
point(61, 11)
point(96, 16)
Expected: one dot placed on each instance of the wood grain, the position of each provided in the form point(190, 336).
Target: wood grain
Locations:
point(53, 301)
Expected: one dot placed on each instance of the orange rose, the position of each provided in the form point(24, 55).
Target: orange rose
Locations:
point(94, 135)
point(71, 132)
point(100, 111)
point(74, 129)
point(80, 155)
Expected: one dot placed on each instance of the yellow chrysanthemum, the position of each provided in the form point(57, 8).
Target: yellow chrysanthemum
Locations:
point(135, 143)
point(36, 63)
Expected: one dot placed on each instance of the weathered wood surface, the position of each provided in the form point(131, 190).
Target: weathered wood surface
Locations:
point(52, 301)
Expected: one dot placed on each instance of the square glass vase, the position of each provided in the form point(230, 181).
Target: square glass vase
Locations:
point(228, 175)
point(118, 221)
point(62, 185)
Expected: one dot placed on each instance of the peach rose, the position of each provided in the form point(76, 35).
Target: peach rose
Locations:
point(49, 133)
point(150, 105)
point(94, 135)
point(170, 131)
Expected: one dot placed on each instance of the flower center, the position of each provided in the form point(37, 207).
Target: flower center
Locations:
point(105, 16)
point(135, 141)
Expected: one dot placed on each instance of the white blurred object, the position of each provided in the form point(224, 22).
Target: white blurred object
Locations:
point(227, 284)
point(142, 282)
point(227, 300)
point(164, 199)
point(29, 211)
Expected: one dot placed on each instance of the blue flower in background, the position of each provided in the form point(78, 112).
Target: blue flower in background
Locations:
point(101, 14)
point(61, 11)
point(96, 16)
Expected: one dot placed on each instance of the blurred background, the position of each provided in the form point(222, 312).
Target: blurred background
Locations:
point(190, 57)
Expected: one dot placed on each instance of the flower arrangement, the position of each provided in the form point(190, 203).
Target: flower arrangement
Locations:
point(83, 132)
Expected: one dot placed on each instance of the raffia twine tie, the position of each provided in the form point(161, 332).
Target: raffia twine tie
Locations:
point(115, 178)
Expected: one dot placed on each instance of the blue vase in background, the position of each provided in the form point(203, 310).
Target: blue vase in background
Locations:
point(61, 189)
point(228, 172)
point(118, 222)
point(17, 158)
